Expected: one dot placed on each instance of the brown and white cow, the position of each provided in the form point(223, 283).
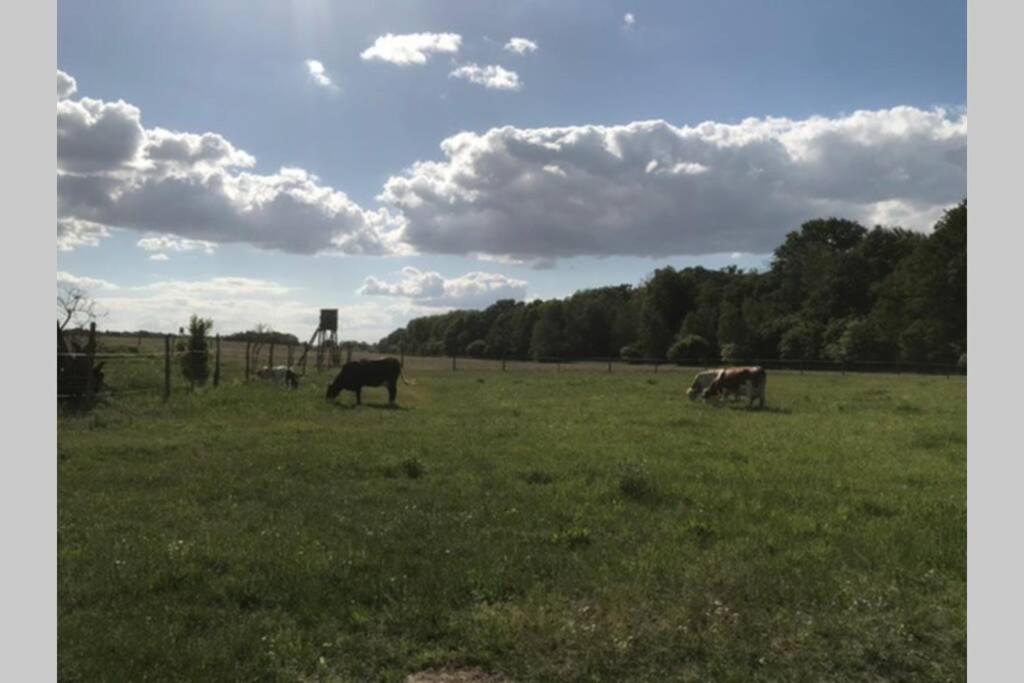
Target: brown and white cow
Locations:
point(751, 380)
point(702, 380)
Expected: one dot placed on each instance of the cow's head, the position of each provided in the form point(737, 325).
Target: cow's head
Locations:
point(344, 380)
point(694, 391)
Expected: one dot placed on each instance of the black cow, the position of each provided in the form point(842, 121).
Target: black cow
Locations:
point(357, 374)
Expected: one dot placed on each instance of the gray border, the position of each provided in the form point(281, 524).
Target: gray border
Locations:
point(993, 325)
point(28, 58)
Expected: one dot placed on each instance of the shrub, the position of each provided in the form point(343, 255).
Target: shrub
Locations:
point(690, 347)
point(195, 364)
point(733, 353)
point(477, 348)
point(631, 352)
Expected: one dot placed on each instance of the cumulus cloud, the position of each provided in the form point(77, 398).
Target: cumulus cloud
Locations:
point(653, 189)
point(318, 74)
point(66, 85)
point(472, 290)
point(159, 257)
point(96, 136)
point(411, 48)
point(113, 172)
point(172, 243)
point(491, 76)
point(629, 19)
point(73, 233)
point(520, 46)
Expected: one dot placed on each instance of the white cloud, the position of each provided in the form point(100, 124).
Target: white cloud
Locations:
point(629, 19)
point(318, 74)
point(73, 233)
point(87, 283)
point(520, 46)
point(172, 243)
point(472, 290)
point(653, 189)
point(159, 257)
point(113, 172)
point(235, 304)
point(491, 76)
point(411, 48)
point(66, 85)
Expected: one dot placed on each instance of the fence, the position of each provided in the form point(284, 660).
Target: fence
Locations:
point(152, 365)
point(659, 365)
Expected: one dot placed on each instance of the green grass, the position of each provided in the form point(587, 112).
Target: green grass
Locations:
point(574, 527)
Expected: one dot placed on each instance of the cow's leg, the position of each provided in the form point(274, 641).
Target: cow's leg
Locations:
point(392, 391)
point(359, 396)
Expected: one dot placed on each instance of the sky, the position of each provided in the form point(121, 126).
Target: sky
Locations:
point(253, 162)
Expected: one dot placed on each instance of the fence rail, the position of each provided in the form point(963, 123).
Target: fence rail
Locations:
point(155, 367)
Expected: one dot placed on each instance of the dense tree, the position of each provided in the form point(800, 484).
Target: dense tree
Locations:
point(834, 290)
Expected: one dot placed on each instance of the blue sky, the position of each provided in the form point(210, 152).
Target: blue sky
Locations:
point(852, 108)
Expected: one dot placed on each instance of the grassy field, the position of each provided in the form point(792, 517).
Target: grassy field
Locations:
point(573, 526)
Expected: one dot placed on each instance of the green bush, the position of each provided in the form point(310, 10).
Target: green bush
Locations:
point(690, 347)
point(195, 364)
point(631, 351)
point(734, 353)
point(477, 348)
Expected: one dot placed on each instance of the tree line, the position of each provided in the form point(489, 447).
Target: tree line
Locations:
point(835, 290)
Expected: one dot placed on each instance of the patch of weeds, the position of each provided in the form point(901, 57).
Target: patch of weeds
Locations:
point(636, 483)
point(652, 382)
point(479, 380)
point(538, 477)
point(905, 408)
point(928, 440)
point(873, 509)
point(411, 468)
point(577, 537)
point(702, 533)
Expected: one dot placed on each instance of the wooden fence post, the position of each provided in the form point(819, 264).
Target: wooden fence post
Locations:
point(609, 365)
point(167, 366)
point(503, 363)
point(289, 356)
point(348, 352)
point(248, 344)
point(216, 364)
point(656, 364)
point(401, 353)
point(90, 358)
point(270, 361)
point(453, 362)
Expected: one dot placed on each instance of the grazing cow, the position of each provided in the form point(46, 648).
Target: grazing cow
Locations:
point(731, 380)
point(702, 381)
point(357, 374)
point(279, 373)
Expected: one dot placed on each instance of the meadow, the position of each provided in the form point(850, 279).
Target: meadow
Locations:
point(538, 525)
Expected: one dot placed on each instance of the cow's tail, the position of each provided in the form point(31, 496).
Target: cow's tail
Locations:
point(405, 381)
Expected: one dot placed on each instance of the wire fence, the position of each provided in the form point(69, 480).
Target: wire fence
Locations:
point(155, 366)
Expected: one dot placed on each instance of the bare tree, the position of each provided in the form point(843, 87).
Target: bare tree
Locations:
point(74, 305)
point(261, 333)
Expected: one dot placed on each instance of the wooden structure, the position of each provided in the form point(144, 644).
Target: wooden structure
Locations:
point(324, 342)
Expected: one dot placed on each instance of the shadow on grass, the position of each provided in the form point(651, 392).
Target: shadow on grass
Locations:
point(371, 406)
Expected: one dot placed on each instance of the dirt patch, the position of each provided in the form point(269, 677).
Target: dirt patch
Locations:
point(456, 676)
